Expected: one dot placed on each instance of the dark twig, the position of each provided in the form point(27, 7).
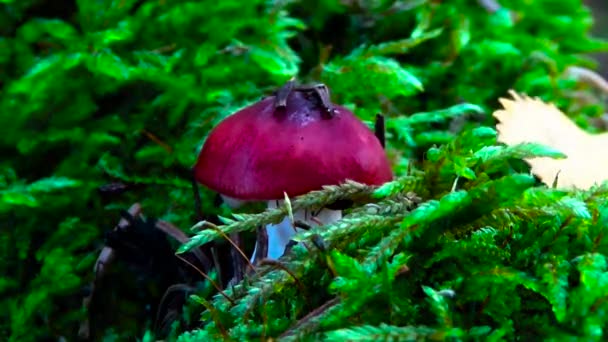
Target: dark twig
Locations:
point(379, 129)
point(239, 260)
point(232, 242)
point(200, 217)
point(302, 225)
point(167, 301)
point(216, 319)
point(218, 265)
point(261, 251)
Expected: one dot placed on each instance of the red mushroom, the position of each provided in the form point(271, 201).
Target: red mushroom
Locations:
point(294, 142)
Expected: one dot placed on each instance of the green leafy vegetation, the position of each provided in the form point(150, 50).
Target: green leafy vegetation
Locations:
point(463, 244)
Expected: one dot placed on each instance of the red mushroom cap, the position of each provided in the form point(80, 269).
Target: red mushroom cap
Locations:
point(260, 151)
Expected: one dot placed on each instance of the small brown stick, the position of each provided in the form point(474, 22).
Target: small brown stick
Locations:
point(316, 220)
point(214, 284)
point(216, 319)
point(306, 319)
point(234, 245)
point(166, 48)
point(157, 140)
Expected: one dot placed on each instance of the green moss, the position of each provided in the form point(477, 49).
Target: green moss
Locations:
point(99, 91)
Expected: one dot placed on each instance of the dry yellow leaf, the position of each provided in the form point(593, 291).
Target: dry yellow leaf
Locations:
point(531, 120)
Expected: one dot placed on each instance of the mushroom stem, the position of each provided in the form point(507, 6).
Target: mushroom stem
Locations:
point(280, 234)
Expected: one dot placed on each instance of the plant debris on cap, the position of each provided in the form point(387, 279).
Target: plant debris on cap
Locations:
point(263, 150)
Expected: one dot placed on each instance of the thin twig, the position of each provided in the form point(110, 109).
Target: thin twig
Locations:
point(182, 238)
point(166, 48)
point(164, 302)
point(379, 129)
point(214, 284)
point(234, 245)
point(218, 266)
point(306, 319)
point(216, 319)
point(157, 140)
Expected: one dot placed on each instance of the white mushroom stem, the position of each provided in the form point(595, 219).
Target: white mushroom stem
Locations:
point(280, 234)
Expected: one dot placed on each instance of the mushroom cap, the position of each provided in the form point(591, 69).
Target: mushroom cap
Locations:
point(260, 152)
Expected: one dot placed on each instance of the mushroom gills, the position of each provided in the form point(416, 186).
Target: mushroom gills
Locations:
point(280, 234)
